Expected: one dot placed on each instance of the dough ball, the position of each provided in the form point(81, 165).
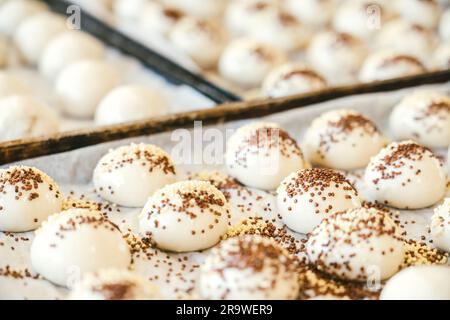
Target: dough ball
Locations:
point(261, 155)
point(74, 242)
point(83, 84)
point(35, 33)
point(28, 196)
point(246, 62)
point(185, 216)
point(405, 175)
point(24, 117)
point(130, 103)
point(249, 267)
point(68, 47)
point(130, 174)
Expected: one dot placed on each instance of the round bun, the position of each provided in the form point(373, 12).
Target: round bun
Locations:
point(76, 241)
point(261, 155)
point(290, 79)
point(208, 9)
point(279, 29)
point(83, 84)
point(36, 32)
point(313, 13)
point(388, 64)
point(129, 103)
point(342, 132)
point(419, 283)
point(11, 85)
point(405, 175)
point(246, 62)
point(356, 245)
point(406, 37)
point(308, 196)
point(114, 284)
point(240, 15)
point(130, 174)
point(154, 17)
point(25, 117)
point(440, 226)
point(185, 216)
point(337, 55)
point(12, 13)
point(68, 47)
point(423, 116)
point(27, 197)
point(202, 40)
point(425, 13)
point(249, 267)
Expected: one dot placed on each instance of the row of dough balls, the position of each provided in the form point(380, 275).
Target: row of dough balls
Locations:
point(74, 62)
point(194, 215)
point(264, 35)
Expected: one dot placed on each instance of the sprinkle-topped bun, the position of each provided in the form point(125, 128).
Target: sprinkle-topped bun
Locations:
point(387, 64)
point(199, 8)
point(423, 116)
point(343, 132)
point(68, 47)
point(36, 32)
point(308, 196)
point(313, 13)
point(202, 40)
point(357, 244)
point(27, 197)
point(290, 79)
point(440, 226)
point(246, 62)
point(240, 15)
point(25, 117)
point(130, 174)
point(114, 284)
point(12, 13)
point(83, 84)
point(11, 85)
point(425, 13)
point(185, 216)
point(129, 103)
point(76, 241)
point(419, 283)
point(249, 267)
point(405, 175)
point(154, 17)
point(261, 155)
point(337, 55)
point(406, 37)
point(281, 30)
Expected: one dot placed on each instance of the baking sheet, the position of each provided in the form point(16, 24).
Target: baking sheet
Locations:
point(177, 273)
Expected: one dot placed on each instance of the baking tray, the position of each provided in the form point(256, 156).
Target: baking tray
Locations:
point(73, 171)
